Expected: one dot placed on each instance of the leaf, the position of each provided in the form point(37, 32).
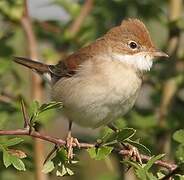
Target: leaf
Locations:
point(100, 153)
point(17, 163)
point(34, 107)
point(132, 163)
point(48, 167)
point(6, 158)
point(58, 173)
point(12, 142)
point(180, 153)
point(34, 111)
point(12, 9)
point(150, 163)
point(179, 136)
point(139, 146)
point(62, 172)
point(142, 174)
point(69, 171)
point(18, 153)
point(48, 106)
point(119, 136)
point(61, 156)
point(92, 152)
point(125, 134)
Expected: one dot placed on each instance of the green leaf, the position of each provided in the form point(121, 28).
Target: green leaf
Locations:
point(141, 174)
point(179, 136)
point(12, 142)
point(61, 156)
point(48, 167)
point(150, 163)
point(139, 146)
point(12, 9)
point(17, 163)
point(92, 152)
point(119, 136)
point(34, 111)
point(180, 153)
point(131, 163)
point(125, 134)
point(6, 158)
point(48, 106)
point(99, 153)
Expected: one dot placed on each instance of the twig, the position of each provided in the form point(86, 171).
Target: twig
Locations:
point(25, 115)
point(5, 99)
point(76, 25)
point(144, 158)
point(60, 142)
point(50, 27)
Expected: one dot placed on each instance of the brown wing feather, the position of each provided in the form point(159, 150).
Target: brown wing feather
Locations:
point(68, 66)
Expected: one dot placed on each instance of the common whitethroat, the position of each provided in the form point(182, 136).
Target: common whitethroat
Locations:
point(99, 83)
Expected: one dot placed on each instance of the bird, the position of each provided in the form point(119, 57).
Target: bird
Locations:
point(100, 82)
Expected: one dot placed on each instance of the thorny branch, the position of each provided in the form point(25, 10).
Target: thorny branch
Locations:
point(58, 142)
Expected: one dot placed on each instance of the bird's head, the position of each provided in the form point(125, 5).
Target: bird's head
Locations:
point(131, 43)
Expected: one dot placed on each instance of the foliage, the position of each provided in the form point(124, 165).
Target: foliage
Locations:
point(156, 121)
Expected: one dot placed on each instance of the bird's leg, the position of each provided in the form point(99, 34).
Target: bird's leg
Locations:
point(134, 152)
point(70, 142)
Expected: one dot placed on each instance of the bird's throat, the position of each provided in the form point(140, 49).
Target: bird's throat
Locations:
point(140, 61)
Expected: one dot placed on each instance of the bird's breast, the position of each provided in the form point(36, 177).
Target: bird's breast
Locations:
point(98, 93)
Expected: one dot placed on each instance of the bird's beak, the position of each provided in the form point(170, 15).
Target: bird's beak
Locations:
point(158, 53)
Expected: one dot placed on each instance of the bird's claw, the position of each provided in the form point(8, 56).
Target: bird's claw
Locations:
point(70, 143)
point(133, 153)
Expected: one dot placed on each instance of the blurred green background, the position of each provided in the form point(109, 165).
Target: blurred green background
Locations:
point(60, 27)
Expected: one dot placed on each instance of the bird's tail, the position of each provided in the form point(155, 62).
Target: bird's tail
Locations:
point(34, 65)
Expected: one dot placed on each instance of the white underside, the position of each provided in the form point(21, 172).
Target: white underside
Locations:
point(98, 93)
point(141, 61)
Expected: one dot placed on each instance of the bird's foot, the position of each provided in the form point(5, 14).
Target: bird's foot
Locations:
point(70, 143)
point(134, 153)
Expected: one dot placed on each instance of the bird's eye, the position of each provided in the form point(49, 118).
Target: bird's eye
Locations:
point(132, 45)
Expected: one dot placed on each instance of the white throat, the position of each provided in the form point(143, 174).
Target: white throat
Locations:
point(140, 61)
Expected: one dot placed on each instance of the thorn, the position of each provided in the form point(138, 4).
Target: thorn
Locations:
point(56, 147)
point(25, 115)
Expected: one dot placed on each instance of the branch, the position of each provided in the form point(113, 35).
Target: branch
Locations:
point(144, 158)
point(44, 137)
point(76, 25)
point(60, 142)
point(5, 99)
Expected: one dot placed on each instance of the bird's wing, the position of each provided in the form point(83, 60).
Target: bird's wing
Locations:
point(68, 67)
